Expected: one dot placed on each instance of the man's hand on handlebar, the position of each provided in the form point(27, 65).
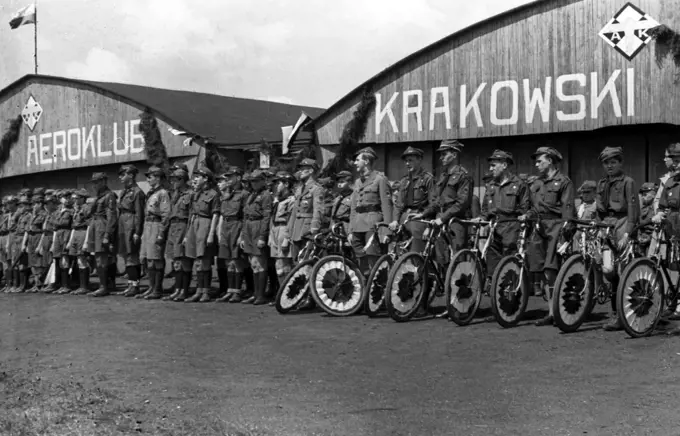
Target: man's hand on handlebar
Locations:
point(660, 216)
point(438, 222)
point(393, 225)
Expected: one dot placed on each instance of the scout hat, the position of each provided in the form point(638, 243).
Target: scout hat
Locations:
point(203, 171)
point(450, 145)
point(81, 193)
point(307, 162)
point(26, 192)
point(155, 171)
point(51, 198)
point(344, 175)
point(179, 166)
point(550, 151)
point(51, 192)
point(257, 175)
point(326, 182)
point(412, 151)
point(64, 193)
point(648, 186)
point(611, 152)
point(500, 155)
point(284, 175)
point(673, 150)
point(368, 151)
point(587, 186)
point(24, 199)
point(129, 169)
point(179, 173)
point(98, 176)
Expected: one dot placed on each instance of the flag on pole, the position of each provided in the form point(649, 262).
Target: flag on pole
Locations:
point(292, 132)
point(25, 15)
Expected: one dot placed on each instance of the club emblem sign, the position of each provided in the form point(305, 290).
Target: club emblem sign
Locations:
point(628, 31)
point(31, 113)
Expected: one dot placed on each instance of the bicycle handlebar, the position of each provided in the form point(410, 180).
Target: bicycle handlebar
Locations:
point(587, 223)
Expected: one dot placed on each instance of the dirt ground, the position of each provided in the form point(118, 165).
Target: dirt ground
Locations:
point(82, 366)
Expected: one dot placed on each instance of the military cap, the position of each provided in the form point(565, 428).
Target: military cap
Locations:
point(204, 172)
point(297, 174)
point(450, 145)
point(412, 151)
point(179, 173)
point(26, 192)
point(344, 175)
point(673, 150)
point(611, 152)
point(81, 193)
point(257, 174)
point(550, 151)
point(284, 175)
point(246, 177)
point(129, 169)
point(368, 151)
point(155, 171)
point(24, 199)
point(268, 173)
point(64, 193)
point(501, 155)
point(648, 186)
point(307, 162)
point(51, 191)
point(98, 176)
point(11, 199)
point(587, 186)
point(179, 166)
point(39, 191)
point(51, 199)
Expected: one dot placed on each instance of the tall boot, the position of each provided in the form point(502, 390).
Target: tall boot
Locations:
point(63, 280)
point(185, 277)
point(111, 272)
point(157, 292)
point(103, 290)
point(248, 277)
point(261, 286)
point(151, 273)
point(237, 283)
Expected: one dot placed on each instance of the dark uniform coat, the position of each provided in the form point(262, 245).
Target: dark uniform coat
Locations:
point(35, 233)
point(342, 208)
point(617, 204)
point(205, 204)
point(4, 236)
point(18, 226)
point(156, 218)
point(62, 221)
point(81, 220)
point(130, 219)
point(231, 211)
point(307, 211)
point(416, 193)
point(179, 218)
point(257, 214)
point(669, 202)
point(103, 226)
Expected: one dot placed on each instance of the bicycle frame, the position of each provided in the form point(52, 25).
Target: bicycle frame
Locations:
point(661, 264)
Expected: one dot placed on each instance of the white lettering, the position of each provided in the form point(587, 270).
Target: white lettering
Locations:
point(89, 142)
point(630, 92)
point(580, 99)
point(118, 151)
point(616, 36)
point(70, 149)
point(134, 135)
point(32, 150)
point(100, 152)
point(444, 109)
point(537, 98)
point(514, 114)
point(472, 105)
point(609, 88)
point(417, 109)
point(45, 155)
point(59, 144)
point(387, 110)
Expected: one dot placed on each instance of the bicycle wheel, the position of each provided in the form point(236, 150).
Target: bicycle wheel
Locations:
point(377, 283)
point(337, 286)
point(640, 297)
point(406, 286)
point(509, 292)
point(574, 298)
point(294, 287)
point(464, 282)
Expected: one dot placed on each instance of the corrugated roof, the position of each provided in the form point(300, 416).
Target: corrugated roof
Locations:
point(230, 120)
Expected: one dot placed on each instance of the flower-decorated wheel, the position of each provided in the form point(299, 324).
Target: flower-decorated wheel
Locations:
point(376, 285)
point(640, 297)
point(574, 294)
point(509, 292)
point(406, 286)
point(294, 287)
point(337, 286)
point(464, 282)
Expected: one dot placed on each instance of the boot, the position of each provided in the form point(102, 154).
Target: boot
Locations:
point(37, 284)
point(185, 281)
point(157, 292)
point(172, 296)
point(23, 281)
point(205, 298)
point(226, 297)
point(614, 325)
point(64, 289)
point(111, 272)
point(17, 281)
point(84, 280)
point(249, 300)
point(236, 298)
point(224, 279)
point(281, 278)
point(8, 281)
point(133, 291)
point(260, 287)
point(103, 290)
point(196, 297)
point(178, 284)
point(548, 320)
point(204, 279)
point(151, 272)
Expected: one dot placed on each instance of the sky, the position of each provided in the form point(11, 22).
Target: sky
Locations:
point(306, 52)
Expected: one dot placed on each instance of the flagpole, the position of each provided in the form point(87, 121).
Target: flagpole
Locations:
point(35, 38)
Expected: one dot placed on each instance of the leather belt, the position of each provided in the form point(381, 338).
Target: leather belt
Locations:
point(369, 208)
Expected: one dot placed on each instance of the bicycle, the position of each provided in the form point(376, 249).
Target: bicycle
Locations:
point(336, 282)
point(580, 282)
point(376, 283)
point(466, 276)
point(410, 277)
point(642, 293)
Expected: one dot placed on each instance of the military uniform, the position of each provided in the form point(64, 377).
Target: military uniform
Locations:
point(4, 240)
point(102, 235)
point(77, 246)
point(59, 224)
point(504, 200)
point(131, 223)
point(19, 249)
point(180, 210)
point(279, 242)
point(617, 199)
point(342, 206)
point(645, 225)
point(306, 217)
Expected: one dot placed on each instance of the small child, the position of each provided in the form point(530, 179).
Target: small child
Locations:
point(646, 228)
point(588, 208)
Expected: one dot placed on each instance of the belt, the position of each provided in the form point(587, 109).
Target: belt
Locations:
point(4, 233)
point(122, 211)
point(369, 208)
point(48, 233)
point(80, 228)
point(253, 217)
point(63, 228)
point(612, 214)
point(231, 218)
point(153, 219)
point(280, 222)
point(202, 216)
point(33, 232)
point(178, 220)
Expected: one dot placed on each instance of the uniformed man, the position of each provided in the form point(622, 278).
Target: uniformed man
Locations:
point(587, 210)
point(668, 163)
point(130, 226)
point(506, 198)
point(180, 210)
point(35, 235)
point(19, 252)
point(13, 247)
point(552, 198)
point(279, 236)
point(255, 233)
point(342, 206)
point(102, 232)
point(305, 221)
point(229, 257)
point(454, 197)
point(156, 221)
point(200, 241)
point(77, 246)
point(648, 192)
point(247, 273)
point(416, 194)
point(60, 222)
point(9, 208)
point(371, 203)
point(47, 239)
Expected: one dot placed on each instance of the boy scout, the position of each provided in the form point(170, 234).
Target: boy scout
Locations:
point(10, 207)
point(60, 222)
point(255, 233)
point(156, 217)
point(180, 200)
point(130, 226)
point(305, 221)
point(552, 199)
point(371, 203)
point(229, 262)
point(645, 227)
point(19, 249)
point(102, 232)
point(617, 204)
point(415, 195)
point(342, 206)
point(587, 210)
point(47, 240)
point(199, 243)
point(35, 236)
point(279, 238)
point(78, 246)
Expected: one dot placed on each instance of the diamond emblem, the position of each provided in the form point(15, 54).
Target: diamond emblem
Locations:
point(627, 31)
point(31, 113)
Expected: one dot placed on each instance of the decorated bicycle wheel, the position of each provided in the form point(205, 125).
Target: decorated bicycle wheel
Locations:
point(294, 287)
point(509, 292)
point(406, 286)
point(640, 297)
point(464, 282)
point(337, 286)
point(574, 294)
point(376, 284)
